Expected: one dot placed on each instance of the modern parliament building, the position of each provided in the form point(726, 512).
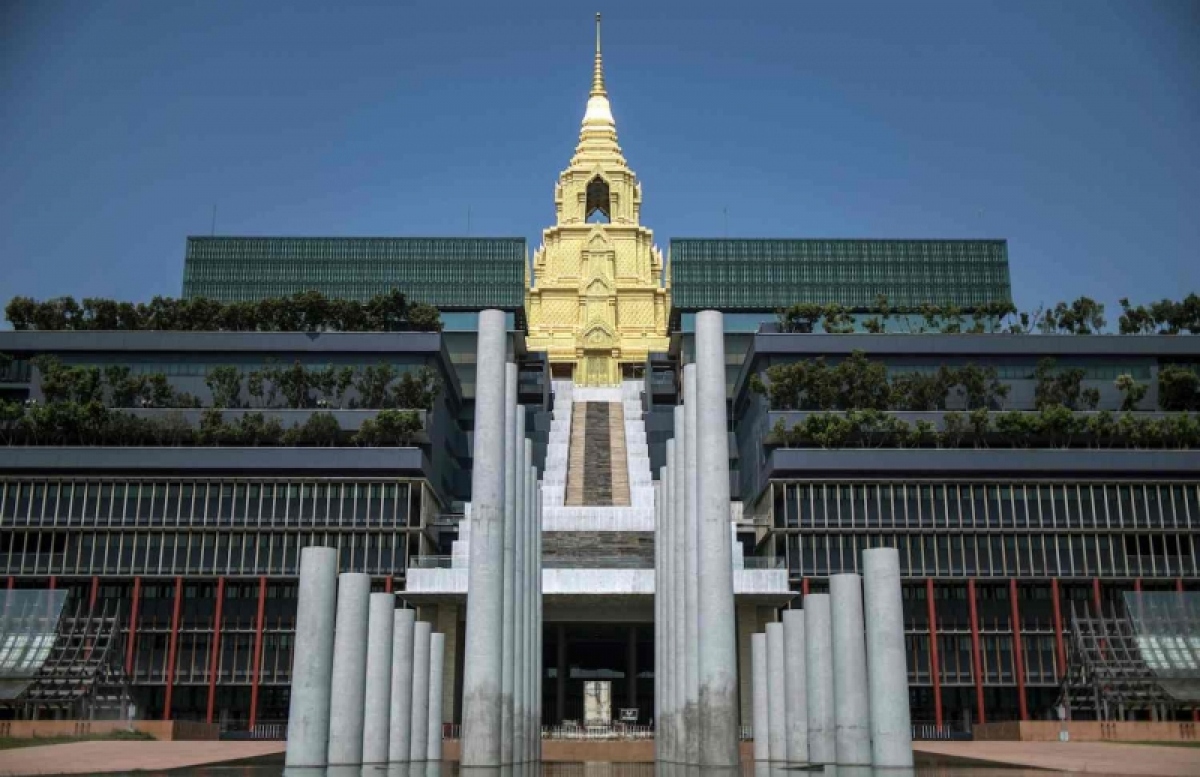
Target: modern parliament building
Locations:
point(1010, 545)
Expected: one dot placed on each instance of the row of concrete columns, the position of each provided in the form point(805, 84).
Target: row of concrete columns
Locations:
point(503, 657)
point(696, 676)
point(830, 687)
point(366, 678)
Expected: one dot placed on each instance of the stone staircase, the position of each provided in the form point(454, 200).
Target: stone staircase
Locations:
point(597, 475)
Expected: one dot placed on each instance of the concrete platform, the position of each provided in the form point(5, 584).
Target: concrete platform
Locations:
point(1082, 757)
point(125, 756)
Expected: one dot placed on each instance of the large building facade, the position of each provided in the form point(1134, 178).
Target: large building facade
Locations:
point(259, 443)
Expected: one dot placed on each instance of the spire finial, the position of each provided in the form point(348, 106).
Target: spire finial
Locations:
point(598, 73)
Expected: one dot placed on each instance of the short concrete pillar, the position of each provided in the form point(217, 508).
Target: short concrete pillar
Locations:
point(399, 742)
point(482, 654)
point(378, 693)
point(818, 666)
point(796, 683)
point(717, 618)
point(418, 736)
point(759, 690)
point(777, 695)
point(852, 709)
point(349, 670)
point(312, 662)
point(891, 721)
point(437, 657)
point(512, 508)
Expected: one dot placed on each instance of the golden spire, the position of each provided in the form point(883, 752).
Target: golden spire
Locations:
point(598, 72)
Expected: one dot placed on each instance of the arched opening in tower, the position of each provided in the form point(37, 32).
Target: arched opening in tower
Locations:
point(598, 209)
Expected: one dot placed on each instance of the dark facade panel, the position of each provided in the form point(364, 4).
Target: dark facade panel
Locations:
point(757, 275)
point(450, 273)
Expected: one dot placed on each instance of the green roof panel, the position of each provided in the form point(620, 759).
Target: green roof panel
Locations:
point(450, 273)
point(736, 274)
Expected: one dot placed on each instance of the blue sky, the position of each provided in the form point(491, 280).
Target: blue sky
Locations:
point(1071, 129)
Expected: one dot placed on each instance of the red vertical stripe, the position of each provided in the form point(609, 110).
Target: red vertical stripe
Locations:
point(131, 639)
point(976, 656)
point(1018, 648)
point(935, 669)
point(1178, 584)
point(387, 584)
point(804, 586)
point(12, 583)
point(214, 662)
point(1096, 594)
point(53, 582)
point(258, 633)
point(1060, 649)
point(95, 592)
point(172, 648)
point(1137, 585)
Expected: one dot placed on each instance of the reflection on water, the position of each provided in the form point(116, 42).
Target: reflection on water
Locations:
point(448, 769)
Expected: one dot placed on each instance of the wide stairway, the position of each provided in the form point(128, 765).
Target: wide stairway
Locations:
point(597, 474)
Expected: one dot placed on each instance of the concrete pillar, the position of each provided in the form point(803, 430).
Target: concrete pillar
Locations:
point(776, 695)
point(795, 686)
point(761, 719)
point(418, 737)
point(378, 694)
point(349, 670)
point(521, 636)
point(437, 657)
point(447, 626)
point(691, 508)
point(399, 742)
point(482, 661)
point(538, 629)
point(685, 724)
point(676, 739)
point(891, 723)
point(659, 626)
point(852, 709)
point(818, 666)
point(532, 726)
point(718, 651)
point(312, 662)
point(513, 503)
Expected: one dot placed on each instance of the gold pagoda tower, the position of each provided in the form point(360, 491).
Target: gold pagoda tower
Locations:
point(596, 298)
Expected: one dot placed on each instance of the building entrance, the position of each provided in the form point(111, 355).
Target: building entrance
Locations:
point(621, 653)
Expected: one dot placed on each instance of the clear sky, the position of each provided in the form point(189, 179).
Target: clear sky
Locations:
point(1070, 128)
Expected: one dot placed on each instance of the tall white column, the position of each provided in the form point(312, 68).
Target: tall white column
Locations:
point(399, 742)
point(512, 509)
point(520, 702)
point(718, 648)
point(852, 711)
point(532, 646)
point(539, 670)
point(660, 752)
point(349, 670)
point(758, 688)
point(485, 602)
point(891, 722)
point(688, 735)
point(418, 737)
point(378, 693)
point(437, 657)
point(795, 686)
point(675, 640)
point(312, 662)
point(818, 666)
point(691, 507)
point(777, 696)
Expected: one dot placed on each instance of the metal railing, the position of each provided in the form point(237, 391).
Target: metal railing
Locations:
point(431, 562)
point(764, 562)
point(602, 731)
point(932, 731)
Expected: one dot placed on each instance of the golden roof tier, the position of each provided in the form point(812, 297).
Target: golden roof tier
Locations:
point(596, 298)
